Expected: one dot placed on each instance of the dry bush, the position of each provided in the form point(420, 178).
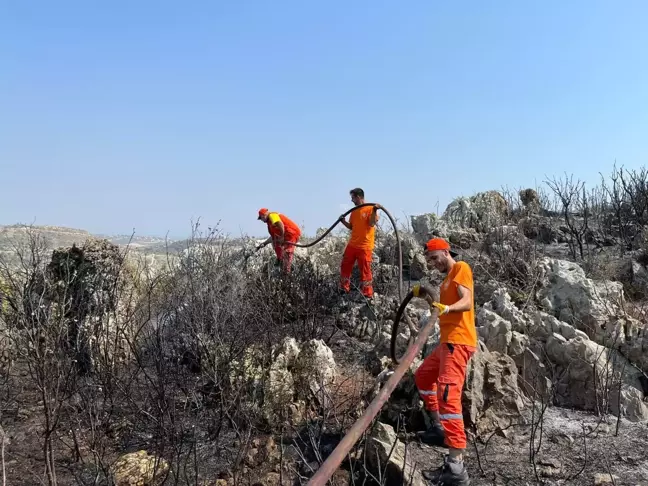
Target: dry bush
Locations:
point(626, 205)
point(507, 258)
point(175, 361)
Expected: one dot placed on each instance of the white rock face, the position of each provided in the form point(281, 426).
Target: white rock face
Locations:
point(481, 212)
point(426, 226)
point(315, 367)
point(569, 295)
point(593, 377)
point(491, 397)
point(294, 374)
point(549, 352)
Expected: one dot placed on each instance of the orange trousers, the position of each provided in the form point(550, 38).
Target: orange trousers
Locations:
point(364, 258)
point(285, 254)
point(440, 381)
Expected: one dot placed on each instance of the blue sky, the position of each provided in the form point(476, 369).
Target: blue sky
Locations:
point(121, 115)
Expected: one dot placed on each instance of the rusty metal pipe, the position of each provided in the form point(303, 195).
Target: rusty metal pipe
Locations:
point(333, 461)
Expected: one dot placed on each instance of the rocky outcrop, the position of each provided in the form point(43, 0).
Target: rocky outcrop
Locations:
point(315, 368)
point(492, 399)
point(594, 307)
point(481, 212)
point(429, 225)
point(386, 458)
point(296, 376)
point(558, 363)
point(592, 377)
point(86, 280)
point(569, 295)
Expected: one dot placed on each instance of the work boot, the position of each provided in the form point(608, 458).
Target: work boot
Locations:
point(434, 436)
point(452, 473)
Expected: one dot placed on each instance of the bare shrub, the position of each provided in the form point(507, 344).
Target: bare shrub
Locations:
point(507, 258)
point(627, 204)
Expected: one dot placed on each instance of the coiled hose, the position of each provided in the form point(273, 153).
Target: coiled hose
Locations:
point(393, 223)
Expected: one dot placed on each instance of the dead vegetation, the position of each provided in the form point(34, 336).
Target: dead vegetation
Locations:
point(199, 364)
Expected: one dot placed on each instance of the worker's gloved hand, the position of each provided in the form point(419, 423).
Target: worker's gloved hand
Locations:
point(443, 309)
point(421, 291)
point(341, 218)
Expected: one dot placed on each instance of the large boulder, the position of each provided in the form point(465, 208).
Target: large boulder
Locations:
point(549, 351)
point(315, 369)
point(386, 458)
point(567, 293)
point(481, 212)
point(594, 307)
point(429, 225)
point(492, 399)
point(592, 377)
point(294, 377)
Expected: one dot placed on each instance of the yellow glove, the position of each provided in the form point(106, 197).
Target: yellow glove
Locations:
point(443, 309)
point(416, 290)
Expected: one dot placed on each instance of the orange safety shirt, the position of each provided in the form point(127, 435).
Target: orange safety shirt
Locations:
point(362, 234)
point(458, 327)
point(291, 230)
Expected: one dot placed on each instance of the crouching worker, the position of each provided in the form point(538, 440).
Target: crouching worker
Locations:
point(441, 377)
point(284, 233)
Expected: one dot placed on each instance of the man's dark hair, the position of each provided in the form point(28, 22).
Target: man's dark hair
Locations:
point(357, 192)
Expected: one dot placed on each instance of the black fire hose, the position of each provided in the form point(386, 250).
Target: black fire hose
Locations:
point(394, 335)
point(393, 223)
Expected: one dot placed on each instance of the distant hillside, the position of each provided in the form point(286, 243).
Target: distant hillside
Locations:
point(14, 236)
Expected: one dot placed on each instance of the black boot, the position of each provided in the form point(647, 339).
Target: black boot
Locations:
point(452, 473)
point(434, 436)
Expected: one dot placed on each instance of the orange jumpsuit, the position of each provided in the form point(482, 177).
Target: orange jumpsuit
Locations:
point(441, 377)
point(360, 249)
point(284, 252)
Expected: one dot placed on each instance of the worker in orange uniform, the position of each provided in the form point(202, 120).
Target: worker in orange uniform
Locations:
point(362, 223)
point(284, 233)
point(441, 377)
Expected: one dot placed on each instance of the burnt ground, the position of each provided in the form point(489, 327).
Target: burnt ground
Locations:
point(572, 447)
point(575, 448)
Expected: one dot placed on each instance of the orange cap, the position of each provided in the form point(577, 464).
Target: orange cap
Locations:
point(439, 244)
point(262, 211)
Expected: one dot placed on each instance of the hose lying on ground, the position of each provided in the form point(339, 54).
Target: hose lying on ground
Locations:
point(393, 223)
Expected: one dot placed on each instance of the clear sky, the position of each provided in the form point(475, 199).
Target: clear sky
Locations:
point(146, 114)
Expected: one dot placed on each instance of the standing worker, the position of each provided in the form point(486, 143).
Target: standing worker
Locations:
point(283, 231)
point(362, 223)
point(441, 377)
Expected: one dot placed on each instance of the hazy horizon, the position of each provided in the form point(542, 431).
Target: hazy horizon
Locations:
point(146, 115)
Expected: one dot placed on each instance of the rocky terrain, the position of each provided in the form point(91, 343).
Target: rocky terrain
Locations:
point(212, 369)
